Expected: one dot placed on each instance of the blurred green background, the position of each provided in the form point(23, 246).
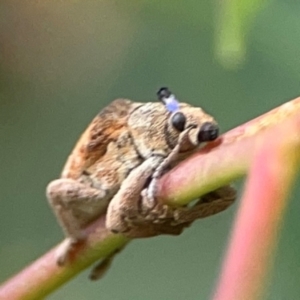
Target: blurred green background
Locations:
point(62, 61)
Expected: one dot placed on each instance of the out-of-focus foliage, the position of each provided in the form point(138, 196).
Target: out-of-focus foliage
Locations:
point(234, 20)
point(62, 61)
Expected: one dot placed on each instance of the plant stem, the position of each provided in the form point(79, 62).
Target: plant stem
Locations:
point(255, 233)
point(212, 167)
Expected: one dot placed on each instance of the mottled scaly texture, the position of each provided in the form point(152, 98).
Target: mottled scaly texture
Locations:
point(123, 151)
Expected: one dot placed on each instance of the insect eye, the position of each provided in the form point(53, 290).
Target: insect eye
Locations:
point(178, 121)
point(208, 132)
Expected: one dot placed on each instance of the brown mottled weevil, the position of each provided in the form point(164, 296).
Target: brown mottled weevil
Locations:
point(115, 165)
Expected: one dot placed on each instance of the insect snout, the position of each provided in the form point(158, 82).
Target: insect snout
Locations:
point(208, 132)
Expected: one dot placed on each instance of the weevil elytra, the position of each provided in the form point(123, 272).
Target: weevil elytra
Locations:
point(114, 167)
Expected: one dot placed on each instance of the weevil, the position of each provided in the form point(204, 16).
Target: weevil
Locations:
point(114, 167)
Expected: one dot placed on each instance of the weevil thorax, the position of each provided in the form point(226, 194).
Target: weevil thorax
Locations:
point(156, 127)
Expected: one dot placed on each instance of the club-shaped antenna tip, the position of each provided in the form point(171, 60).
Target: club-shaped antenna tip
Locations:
point(163, 93)
point(166, 96)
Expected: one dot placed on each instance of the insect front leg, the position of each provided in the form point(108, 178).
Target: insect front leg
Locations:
point(207, 205)
point(149, 195)
point(75, 206)
point(164, 219)
point(125, 205)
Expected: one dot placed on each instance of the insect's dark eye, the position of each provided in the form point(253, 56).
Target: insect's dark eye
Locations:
point(208, 132)
point(178, 121)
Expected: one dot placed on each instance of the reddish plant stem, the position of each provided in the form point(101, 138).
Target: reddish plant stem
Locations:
point(44, 275)
point(215, 165)
point(224, 160)
point(261, 213)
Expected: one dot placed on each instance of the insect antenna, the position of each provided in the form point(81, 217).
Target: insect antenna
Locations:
point(169, 99)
